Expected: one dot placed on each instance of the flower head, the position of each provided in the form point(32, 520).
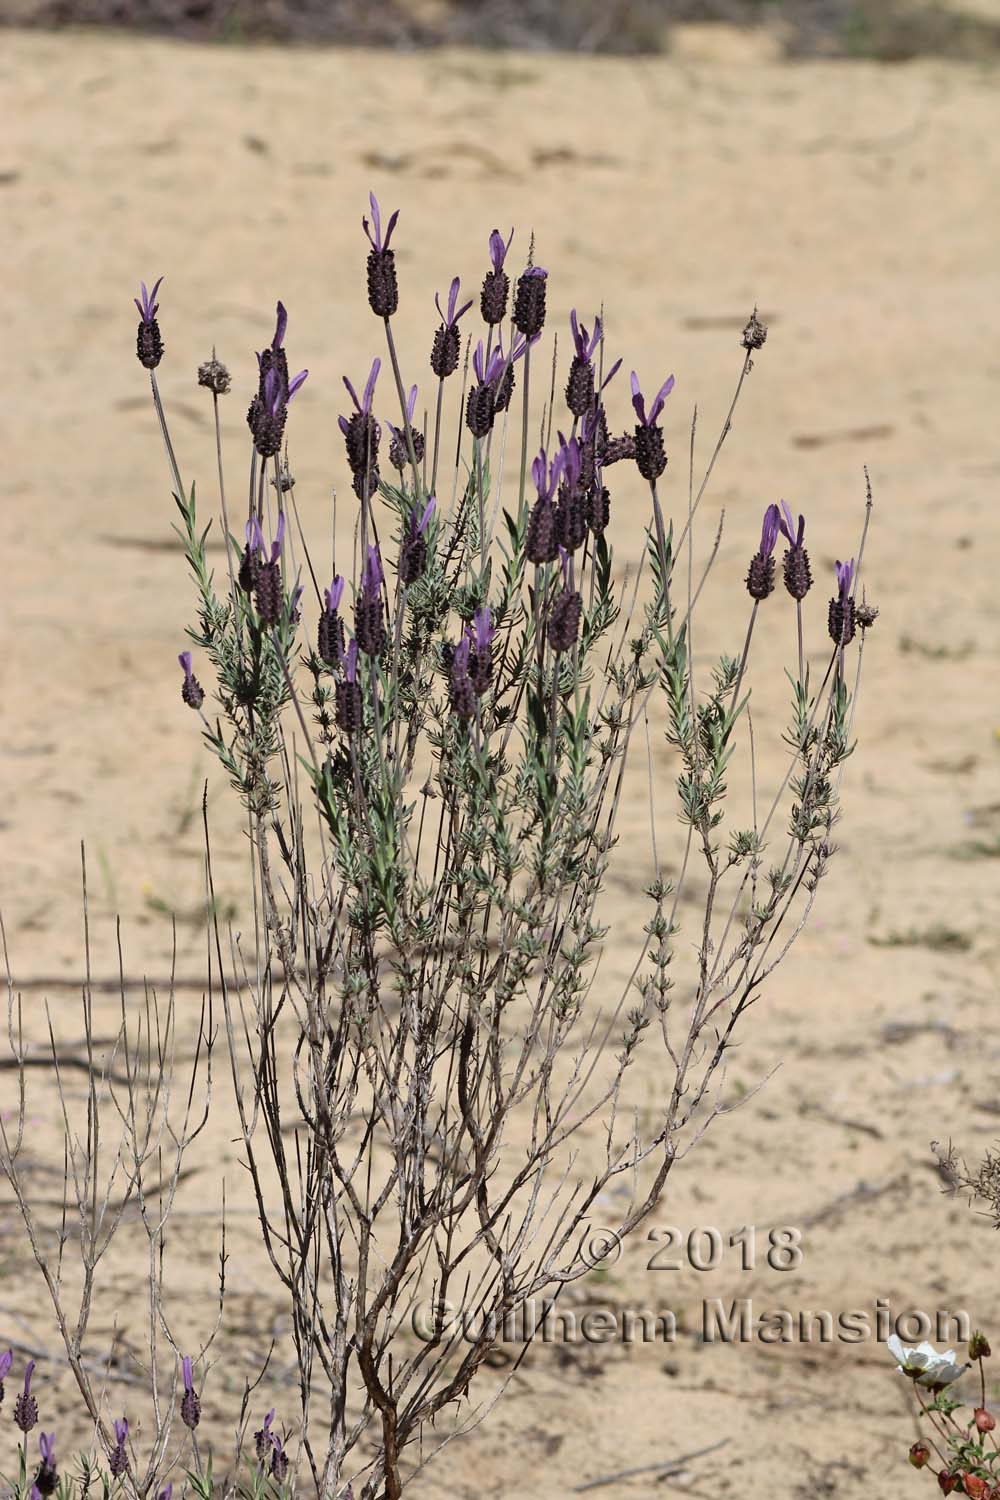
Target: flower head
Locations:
point(148, 341)
point(924, 1364)
point(452, 316)
point(378, 241)
point(658, 402)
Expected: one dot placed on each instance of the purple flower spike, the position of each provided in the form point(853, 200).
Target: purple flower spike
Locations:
point(378, 243)
point(658, 403)
point(192, 692)
point(498, 249)
point(453, 316)
point(334, 593)
point(769, 530)
point(6, 1360)
point(845, 577)
point(793, 535)
point(149, 305)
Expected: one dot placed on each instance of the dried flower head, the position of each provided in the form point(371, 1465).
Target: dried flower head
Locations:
point(214, 376)
point(148, 342)
point(754, 333)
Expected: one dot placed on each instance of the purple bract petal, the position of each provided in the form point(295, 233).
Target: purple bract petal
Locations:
point(280, 327)
point(769, 530)
point(334, 593)
point(295, 382)
point(47, 1447)
point(845, 577)
point(374, 574)
point(187, 1373)
point(121, 1429)
point(184, 660)
point(498, 250)
point(6, 1360)
point(637, 401)
point(350, 660)
point(425, 519)
point(661, 397)
point(148, 306)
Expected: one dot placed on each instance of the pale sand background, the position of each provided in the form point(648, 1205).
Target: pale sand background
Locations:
point(857, 206)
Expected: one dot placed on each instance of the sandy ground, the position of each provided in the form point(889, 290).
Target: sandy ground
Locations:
point(856, 206)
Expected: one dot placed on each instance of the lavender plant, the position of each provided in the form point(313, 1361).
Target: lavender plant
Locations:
point(420, 991)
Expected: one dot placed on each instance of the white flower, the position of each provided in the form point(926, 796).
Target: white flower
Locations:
point(924, 1364)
